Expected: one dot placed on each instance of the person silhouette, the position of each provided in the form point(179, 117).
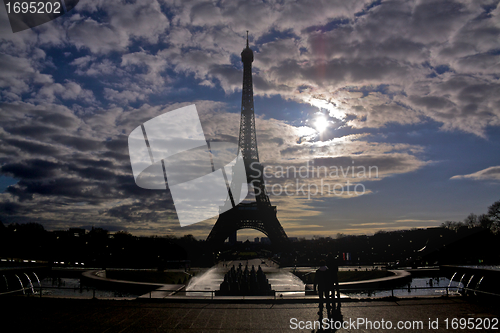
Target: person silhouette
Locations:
point(333, 266)
point(334, 319)
point(323, 285)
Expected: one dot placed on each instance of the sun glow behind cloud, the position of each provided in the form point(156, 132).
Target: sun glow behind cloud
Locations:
point(320, 123)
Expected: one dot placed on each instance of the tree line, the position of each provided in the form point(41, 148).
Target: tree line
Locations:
point(489, 221)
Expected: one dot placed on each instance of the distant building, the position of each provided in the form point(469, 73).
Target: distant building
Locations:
point(76, 232)
point(256, 240)
point(265, 240)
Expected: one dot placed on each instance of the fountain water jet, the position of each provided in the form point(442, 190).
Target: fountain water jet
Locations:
point(39, 285)
point(478, 284)
point(21, 283)
point(208, 281)
point(31, 284)
point(287, 283)
point(6, 283)
point(461, 283)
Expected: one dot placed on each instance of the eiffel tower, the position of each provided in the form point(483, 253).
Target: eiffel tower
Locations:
point(260, 214)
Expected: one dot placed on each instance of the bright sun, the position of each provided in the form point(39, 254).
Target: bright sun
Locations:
point(320, 124)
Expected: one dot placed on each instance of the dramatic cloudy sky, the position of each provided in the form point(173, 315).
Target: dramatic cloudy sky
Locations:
point(408, 88)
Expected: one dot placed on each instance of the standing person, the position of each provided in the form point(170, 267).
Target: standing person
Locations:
point(323, 285)
point(333, 265)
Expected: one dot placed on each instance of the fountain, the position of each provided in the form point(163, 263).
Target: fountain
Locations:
point(25, 276)
point(476, 280)
point(281, 281)
point(239, 282)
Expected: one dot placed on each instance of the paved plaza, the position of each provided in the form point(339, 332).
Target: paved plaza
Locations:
point(30, 314)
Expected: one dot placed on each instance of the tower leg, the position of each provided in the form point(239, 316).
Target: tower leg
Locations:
point(233, 238)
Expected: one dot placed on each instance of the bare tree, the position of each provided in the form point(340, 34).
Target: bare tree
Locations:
point(447, 224)
point(494, 215)
point(471, 221)
point(484, 221)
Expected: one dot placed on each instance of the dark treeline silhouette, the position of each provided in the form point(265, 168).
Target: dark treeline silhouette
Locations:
point(416, 247)
point(489, 221)
point(97, 248)
point(473, 241)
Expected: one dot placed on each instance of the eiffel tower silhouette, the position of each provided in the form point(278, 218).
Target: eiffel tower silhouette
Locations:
point(259, 214)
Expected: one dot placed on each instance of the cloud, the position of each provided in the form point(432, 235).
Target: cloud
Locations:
point(90, 66)
point(310, 54)
point(68, 91)
point(17, 75)
point(402, 46)
point(80, 163)
point(74, 88)
point(123, 97)
point(491, 173)
point(121, 23)
point(74, 167)
point(155, 65)
point(28, 147)
point(97, 37)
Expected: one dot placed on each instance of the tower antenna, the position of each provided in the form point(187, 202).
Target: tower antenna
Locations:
point(247, 38)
